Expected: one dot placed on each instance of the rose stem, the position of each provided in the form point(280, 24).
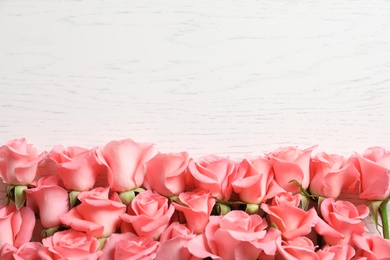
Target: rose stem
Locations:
point(385, 219)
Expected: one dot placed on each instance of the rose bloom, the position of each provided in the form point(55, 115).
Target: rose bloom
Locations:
point(166, 173)
point(16, 226)
point(337, 252)
point(49, 199)
point(19, 162)
point(286, 198)
point(129, 246)
point(125, 161)
point(196, 206)
point(290, 163)
point(28, 251)
point(235, 235)
point(372, 247)
point(340, 221)
point(98, 214)
point(149, 214)
point(69, 244)
point(253, 178)
point(172, 242)
point(77, 167)
point(374, 166)
point(296, 249)
point(330, 174)
point(215, 174)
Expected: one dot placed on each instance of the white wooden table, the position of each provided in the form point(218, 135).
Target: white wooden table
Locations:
point(225, 77)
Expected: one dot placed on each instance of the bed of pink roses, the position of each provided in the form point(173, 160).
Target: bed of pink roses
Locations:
point(128, 201)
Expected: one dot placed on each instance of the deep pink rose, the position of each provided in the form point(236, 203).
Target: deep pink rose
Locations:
point(337, 252)
point(19, 162)
point(374, 166)
point(149, 214)
point(254, 177)
point(125, 161)
point(235, 235)
point(196, 206)
point(28, 251)
point(129, 246)
point(286, 198)
point(296, 249)
point(330, 174)
point(372, 247)
point(16, 226)
point(291, 163)
point(291, 221)
point(167, 173)
point(77, 167)
point(98, 214)
point(340, 221)
point(49, 199)
point(172, 242)
point(70, 244)
point(215, 174)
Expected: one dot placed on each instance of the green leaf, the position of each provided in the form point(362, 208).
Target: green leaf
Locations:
point(20, 196)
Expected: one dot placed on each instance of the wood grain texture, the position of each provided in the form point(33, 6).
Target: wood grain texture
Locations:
point(221, 76)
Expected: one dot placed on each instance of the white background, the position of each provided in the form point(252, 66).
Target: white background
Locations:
point(224, 77)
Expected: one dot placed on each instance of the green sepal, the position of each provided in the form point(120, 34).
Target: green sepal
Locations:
point(73, 198)
point(374, 210)
point(49, 232)
point(303, 191)
point(127, 197)
point(20, 196)
point(305, 202)
point(252, 208)
point(102, 241)
point(220, 209)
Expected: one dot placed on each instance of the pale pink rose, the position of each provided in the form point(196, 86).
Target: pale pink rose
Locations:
point(330, 174)
point(70, 244)
point(340, 221)
point(291, 163)
point(253, 178)
point(28, 251)
point(286, 198)
point(125, 161)
point(235, 235)
point(172, 242)
point(374, 166)
point(215, 174)
point(98, 214)
point(372, 247)
point(296, 249)
point(167, 173)
point(16, 226)
point(49, 200)
point(196, 206)
point(129, 246)
point(291, 221)
point(19, 162)
point(337, 252)
point(77, 167)
point(149, 214)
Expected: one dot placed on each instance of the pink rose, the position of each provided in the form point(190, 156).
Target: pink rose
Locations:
point(16, 226)
point(296, 248)
point(374, 167)
point(49, 199)
point(19, 162)
point(215, 174)
point(196, 206)
point(340, 221)
point(330, 174)
point(291, 221)
point(129, 246)
point(337, 252)
point(172, 242)
point(28, 251)
point(235, 235)
point(291, 163)
point(372, 247)
point(70, 244)
point(98, 214)
point(149, 215)
point(286, 198)
point(166, 173)
point(77, 167)
point(125, 161)
point(254, 177)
